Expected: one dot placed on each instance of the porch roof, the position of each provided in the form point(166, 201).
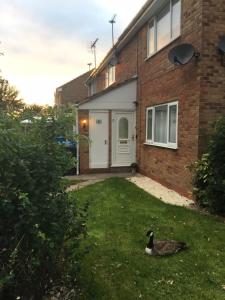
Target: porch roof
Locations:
point(118, 96)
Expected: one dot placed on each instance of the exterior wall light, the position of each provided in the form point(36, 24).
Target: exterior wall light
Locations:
point(84, 124)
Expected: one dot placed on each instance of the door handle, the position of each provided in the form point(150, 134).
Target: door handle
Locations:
point(105, 142)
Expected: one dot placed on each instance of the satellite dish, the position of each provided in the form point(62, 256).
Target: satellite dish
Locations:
point(182, 54)
point(221, 45)
point(114, 61)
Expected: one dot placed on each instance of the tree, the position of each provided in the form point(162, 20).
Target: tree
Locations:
point(9, 100)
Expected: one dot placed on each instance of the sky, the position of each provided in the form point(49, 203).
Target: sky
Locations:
point(47, 42)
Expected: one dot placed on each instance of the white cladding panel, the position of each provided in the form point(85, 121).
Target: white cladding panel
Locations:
point(123, 97)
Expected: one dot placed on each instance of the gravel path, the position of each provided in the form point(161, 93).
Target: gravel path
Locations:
point(156, 189)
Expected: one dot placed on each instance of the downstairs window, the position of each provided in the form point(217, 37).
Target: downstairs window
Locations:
point(162, 125)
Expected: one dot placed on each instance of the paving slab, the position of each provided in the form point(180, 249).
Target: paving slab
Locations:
point(98, 176)
point(89, 179)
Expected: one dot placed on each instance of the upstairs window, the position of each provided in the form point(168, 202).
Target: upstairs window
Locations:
point(92, 88)
point(110, 75)
point(161, 125)
point(164, 27)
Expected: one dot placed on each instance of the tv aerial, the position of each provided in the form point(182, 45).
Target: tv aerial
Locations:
point(113, 21)
point(89, 66)
point(221, 48)
point(93, 48)
point(182, 54)
point(1, 53)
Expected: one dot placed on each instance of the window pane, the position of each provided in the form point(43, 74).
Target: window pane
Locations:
point(107, 78)
point(111, 70)
point(161, 124)
point(123, 128)
point(151, 42)
point(163, 28)
point(149, 125)
point(172, 124)
point(176, 15)
point(92, 88)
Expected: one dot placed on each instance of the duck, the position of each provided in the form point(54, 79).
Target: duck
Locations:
point(163, 247)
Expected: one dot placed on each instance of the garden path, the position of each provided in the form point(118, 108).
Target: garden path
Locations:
point(150, 186)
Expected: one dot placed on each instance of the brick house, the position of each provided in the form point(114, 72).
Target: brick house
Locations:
point(72, 92)
point(147, 110)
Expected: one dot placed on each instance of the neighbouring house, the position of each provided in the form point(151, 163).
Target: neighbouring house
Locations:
point(144, 109)
point(72, 92)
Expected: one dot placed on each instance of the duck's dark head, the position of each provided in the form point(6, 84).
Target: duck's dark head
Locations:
point(150, 244)
point(150, 233)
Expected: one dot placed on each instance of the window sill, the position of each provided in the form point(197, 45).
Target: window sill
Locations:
point(174, 147)
point(110, 84)
point(158, 51)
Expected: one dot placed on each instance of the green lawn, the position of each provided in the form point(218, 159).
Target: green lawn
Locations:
point(116, 267)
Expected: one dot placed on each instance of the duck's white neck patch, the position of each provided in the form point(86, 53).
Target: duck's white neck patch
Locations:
point(148, 251)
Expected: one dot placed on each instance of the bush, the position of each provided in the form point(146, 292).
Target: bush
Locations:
point(201, 180)
point(209, 172)
point(216, 188)
point(35, 212)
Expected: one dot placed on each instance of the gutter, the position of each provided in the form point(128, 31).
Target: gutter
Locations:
point(78, 143)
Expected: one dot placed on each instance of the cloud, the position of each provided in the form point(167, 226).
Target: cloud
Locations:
point(38, 59)
point(46, 42)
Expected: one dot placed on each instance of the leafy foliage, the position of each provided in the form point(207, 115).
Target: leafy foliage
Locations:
point(216, 188)
point(36, 215)
point(201, 180)
point(9, 97)
point(209, 172)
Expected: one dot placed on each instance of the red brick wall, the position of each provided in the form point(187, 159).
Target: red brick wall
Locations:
point(84, 143)
point(125, 69)
point(127, 66)
point(161, 82)
point(212, 103)
point(100, 81)
point(73, 91)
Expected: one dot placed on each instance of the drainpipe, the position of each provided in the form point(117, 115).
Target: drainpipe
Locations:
point(78, 143)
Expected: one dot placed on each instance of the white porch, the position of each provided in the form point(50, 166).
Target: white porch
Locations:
point(112, 127)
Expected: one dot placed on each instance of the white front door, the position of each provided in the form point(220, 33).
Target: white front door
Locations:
point(123, 139)
point(99, 135)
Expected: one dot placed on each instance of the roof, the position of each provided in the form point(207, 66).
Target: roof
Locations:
point(139, 20)
point(74, 91)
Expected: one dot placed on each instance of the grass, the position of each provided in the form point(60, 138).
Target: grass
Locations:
point(115, 266)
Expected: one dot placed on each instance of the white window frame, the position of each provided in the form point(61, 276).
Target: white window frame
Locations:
point(109, 81)
point(154, 21)
point(92, 88)
point(152, 142)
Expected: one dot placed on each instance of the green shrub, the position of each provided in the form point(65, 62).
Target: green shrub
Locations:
point(209, 172)
point(216, 187)
point(201, 180)
point(35, 212)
